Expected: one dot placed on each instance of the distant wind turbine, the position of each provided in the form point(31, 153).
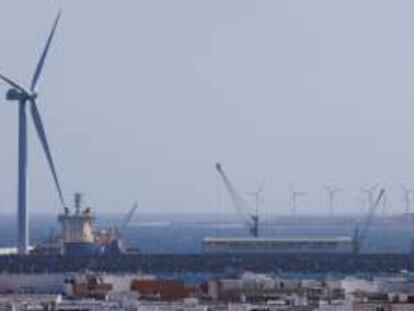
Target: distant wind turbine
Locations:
point(258, 196)
point(331, 199)
point(369, 192)
point(407, 197)
point(294, 195)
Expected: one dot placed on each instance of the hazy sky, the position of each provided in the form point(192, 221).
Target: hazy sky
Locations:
point(141, 98)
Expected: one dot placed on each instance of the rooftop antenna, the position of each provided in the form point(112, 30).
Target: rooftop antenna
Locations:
point(294, 195)
point(407, 197)
point(332, 192)
point(26, 97)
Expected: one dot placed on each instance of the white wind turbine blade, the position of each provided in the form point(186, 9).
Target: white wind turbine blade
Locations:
point(13, 84)
point(42, 59)
point(43, 140)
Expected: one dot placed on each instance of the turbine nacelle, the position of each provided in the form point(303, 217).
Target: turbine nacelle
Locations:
point(15, 94)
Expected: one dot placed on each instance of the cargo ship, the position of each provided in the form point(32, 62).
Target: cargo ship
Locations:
point(79, 237)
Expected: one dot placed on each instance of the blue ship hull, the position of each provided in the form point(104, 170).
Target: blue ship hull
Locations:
point(83, 249)
point(209, 263)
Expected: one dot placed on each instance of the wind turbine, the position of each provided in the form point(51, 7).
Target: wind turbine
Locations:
point(369, 192)
point(293, 199)
point(384, 205)
point(407, 197)
point(257, 195)
point(332, 192)
point(26, 97)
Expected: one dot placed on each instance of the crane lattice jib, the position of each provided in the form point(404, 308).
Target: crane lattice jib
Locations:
point(236, 199)
point(369, 218)
point(128, 217)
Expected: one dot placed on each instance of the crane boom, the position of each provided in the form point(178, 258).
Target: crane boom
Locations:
point(238, 202)
point(128, 217)
point(360, 236)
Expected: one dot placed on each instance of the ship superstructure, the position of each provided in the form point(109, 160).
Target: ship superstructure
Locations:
point(77, 235)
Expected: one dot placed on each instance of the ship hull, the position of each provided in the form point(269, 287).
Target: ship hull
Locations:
point(211, 263)
point(301, 245)
point(82, 249)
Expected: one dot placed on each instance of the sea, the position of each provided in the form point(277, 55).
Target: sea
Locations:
point(184, 233)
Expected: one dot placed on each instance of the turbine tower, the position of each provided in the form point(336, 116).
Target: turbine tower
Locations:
point(258, 198)
point(332, 192)
point(26, 97)
point(369, 192)
point(293, 199)
point(407, 197)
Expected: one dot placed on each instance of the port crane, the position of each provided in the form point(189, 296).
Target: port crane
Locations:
point(361, 233)
point(251, 220)
point(120, 230)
